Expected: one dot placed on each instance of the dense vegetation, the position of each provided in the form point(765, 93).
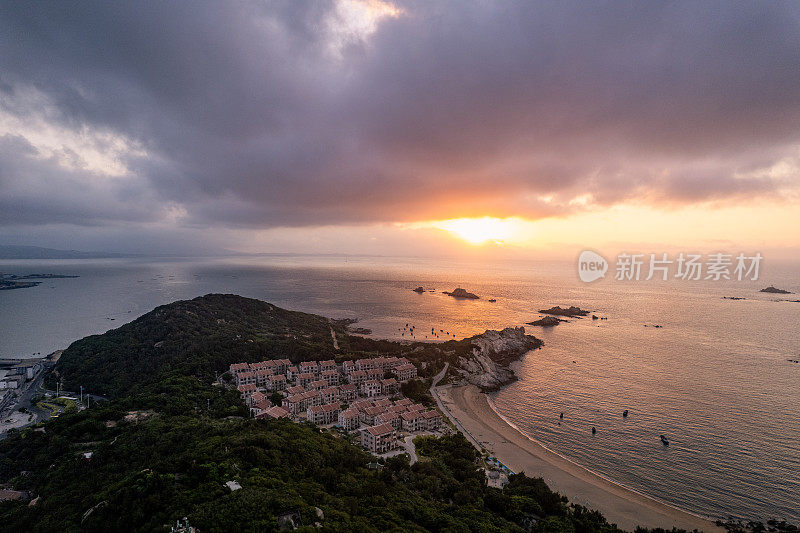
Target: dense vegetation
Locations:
point(166, 444)
point(203, 336)
point(155, 467)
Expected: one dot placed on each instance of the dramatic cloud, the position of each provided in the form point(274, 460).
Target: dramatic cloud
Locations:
point(291, 113)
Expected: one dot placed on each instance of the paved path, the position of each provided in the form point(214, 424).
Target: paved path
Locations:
point(411, 449)
point(335, 342)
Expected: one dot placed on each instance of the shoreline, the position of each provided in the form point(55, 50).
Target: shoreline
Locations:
point(472, 411)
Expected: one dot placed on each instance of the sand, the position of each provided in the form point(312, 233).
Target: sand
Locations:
point(472, 413)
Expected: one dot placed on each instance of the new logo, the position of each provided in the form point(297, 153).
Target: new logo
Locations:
point(591, 266)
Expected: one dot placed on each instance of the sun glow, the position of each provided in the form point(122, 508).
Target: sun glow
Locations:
point(482, 230)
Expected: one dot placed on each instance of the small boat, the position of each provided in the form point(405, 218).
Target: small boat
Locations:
point(664, 440)
point(594, 430)
point(492, 300)
point(625, 413)
point(562, 416)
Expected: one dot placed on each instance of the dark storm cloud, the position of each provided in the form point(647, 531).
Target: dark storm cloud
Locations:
point(260, 114)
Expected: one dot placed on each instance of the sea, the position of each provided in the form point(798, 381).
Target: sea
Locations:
point(716, 379)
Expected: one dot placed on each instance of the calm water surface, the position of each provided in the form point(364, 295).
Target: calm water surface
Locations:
point(714, 379)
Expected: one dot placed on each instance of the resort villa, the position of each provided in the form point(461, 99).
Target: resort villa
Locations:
point(354, 396)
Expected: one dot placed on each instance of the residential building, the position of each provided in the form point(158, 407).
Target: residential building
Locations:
point(246, 377)
point(282, 365)
point(323, 414)
point(238, 367)
point(357, 377)
point(433, 420)
point(389, 418)
point(413, 421)
point(365, 364)
point(291, 373)
point(325, 366)
point(403, 401)
point(247, 390)
point(297, 389)
point(259, 407)
point(368, 415)
point(262, 377)
point(330, 376)
point(348, 393)
point(277, 382)
point(390, 387)
point(375, 373)
point(295, 404)
point(307, 367)
point(349, 419)
point(256, 397)
point(348, 366)
point(362, 404)
point(405, 372)
point(416, 407)
point(383, 402)
point(330, 394)
point(318, 384)
point(304, 379)
point(274, 412)
point(379, 439)
point(313, 397)
point(263, 365)
point(371, 388)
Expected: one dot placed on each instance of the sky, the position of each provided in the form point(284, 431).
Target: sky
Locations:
point(414, 128)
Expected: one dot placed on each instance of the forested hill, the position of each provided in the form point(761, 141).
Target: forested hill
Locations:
point(203, 336)
point(191, 337)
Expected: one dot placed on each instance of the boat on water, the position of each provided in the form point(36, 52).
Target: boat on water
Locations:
point(625, 413)
point(664, 440)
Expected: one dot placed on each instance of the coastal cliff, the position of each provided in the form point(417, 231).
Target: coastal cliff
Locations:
point(492, 351)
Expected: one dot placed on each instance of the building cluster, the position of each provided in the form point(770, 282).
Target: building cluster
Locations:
point(317, 390)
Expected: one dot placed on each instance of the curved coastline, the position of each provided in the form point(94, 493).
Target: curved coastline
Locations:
point(494, 408)
point(621, 505)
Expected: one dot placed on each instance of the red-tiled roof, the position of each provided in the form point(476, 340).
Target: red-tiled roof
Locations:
point(383, 429)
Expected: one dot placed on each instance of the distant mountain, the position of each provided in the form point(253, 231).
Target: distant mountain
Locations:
point(35, 252)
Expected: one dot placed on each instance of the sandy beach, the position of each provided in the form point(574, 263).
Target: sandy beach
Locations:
point(622, 506)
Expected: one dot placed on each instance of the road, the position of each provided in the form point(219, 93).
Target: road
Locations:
point(335, 341)
point(411, 449)
point(436, 379)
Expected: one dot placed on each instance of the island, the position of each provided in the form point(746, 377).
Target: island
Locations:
point(547, 322)
point(13, 281)
point(7, 285)
point(774, 290)
point(462, 293)
point(571, 311)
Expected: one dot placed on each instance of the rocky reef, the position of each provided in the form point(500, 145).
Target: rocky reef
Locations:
point(462, 293)
point(774, 290)
point(492, 351)
point(570, 311)
point(547, 322)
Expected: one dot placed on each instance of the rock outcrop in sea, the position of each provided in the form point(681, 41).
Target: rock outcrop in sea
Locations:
point(571, 311)
point(547, 322)
point(462, 293)
point(774, 290)
point(492, 351)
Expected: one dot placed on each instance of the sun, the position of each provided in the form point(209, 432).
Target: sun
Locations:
point(481, 230)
